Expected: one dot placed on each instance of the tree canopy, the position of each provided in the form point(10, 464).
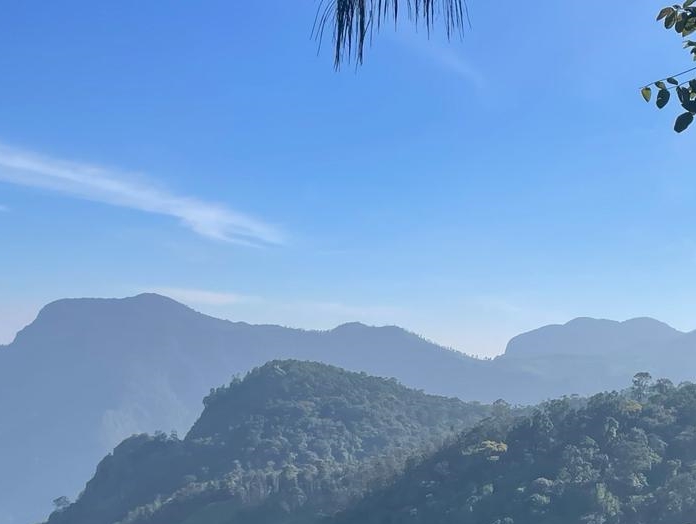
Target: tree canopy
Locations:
point(616, 458)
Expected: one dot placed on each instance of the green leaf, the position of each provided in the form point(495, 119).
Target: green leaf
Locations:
point(662, 98)
point(688, 25)
point(660, 84)
point(681, 23)
point(688, 3)
point(647, 93)
point(692, 84)
point(684, 94)
point(670, 20)
point(664, 12)
point(683, 121)
point(689, 105)
point(673, 81)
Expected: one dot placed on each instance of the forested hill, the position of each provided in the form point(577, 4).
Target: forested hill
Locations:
point(290, 434)
point(619, 459)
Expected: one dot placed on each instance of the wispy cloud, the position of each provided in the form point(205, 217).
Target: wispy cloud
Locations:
point(443, 56)
point(203, 297)
point(312, 314)
point(450, 60)
point(346, 312)
point(519, 309)
point(206, 297)
point(116, 188)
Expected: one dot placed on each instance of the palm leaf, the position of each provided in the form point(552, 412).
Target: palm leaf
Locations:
point(354, 21)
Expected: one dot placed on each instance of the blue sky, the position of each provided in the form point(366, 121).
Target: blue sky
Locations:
point(466, 190)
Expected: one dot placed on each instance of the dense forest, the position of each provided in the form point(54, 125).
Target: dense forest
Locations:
point(618, 458)
point(299, 443)
point(290, 436)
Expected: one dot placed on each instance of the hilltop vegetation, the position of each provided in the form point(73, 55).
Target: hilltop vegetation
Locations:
point(620, 458)
point(290, 435)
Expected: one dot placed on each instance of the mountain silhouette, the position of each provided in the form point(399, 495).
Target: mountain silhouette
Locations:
point(591, 336)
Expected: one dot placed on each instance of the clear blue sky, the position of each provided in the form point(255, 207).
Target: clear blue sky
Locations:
point(467, 191)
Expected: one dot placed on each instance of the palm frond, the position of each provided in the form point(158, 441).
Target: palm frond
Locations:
point(354, 21)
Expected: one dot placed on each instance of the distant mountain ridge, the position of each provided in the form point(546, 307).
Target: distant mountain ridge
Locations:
point(103, 369)
point(591, 336)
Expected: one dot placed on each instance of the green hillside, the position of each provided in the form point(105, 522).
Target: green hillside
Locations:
point(291, 439)
point(620, 458)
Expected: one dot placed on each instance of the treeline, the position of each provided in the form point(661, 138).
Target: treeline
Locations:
point(620, 458)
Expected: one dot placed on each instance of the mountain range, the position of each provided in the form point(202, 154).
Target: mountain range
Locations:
point(88, 373)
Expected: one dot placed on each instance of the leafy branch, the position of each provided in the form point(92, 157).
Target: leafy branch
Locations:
point(682, 19)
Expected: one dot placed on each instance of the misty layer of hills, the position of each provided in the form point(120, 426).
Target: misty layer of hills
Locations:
point(88, 373)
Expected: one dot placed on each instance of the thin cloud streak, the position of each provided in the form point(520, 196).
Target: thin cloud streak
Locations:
point(451, 61)
point(348, 312)
point(444, 57)
point(115, 188)
point(308, 314)
point(204, 297)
